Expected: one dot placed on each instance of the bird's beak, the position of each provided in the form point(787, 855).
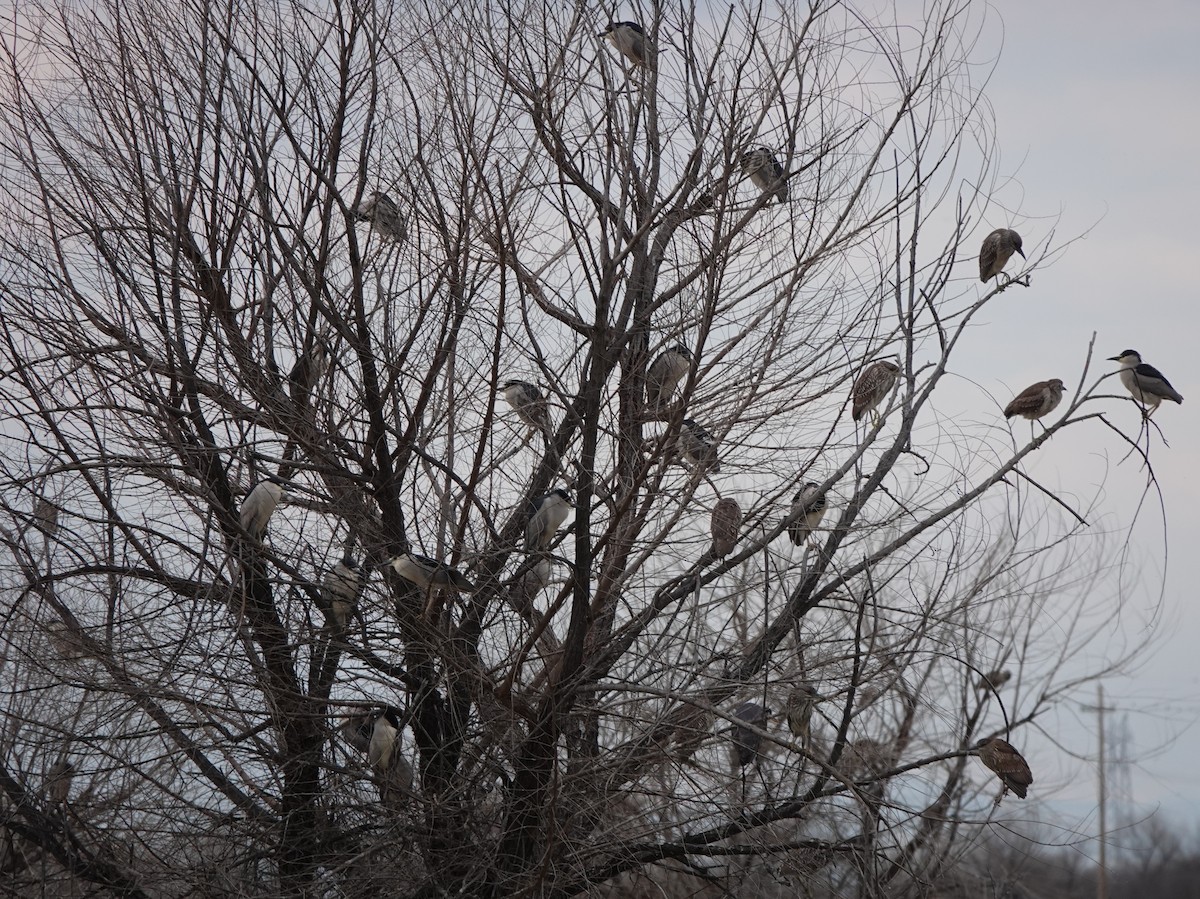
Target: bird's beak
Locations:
point(1022, 252)
point(1114, 358)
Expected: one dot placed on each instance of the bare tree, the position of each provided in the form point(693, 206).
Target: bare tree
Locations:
point(322, 245)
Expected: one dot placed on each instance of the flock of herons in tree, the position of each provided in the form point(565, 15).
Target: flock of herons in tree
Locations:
point(377, 732)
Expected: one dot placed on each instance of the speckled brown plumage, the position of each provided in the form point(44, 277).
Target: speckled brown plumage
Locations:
point(1036, 400)
point(872, 386)
point(1008, 764)
point(726, 523)
point(997, 249)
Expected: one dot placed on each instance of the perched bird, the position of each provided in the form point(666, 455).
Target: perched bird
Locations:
point(801, 703)
point(376, 733)
point(997, 249)
point(1008, 764)
point(1036, 400)
point(260, 505)
point(746, 743)
point(529, 404)
point(630, 39)
point(690, 726)
point(342, 587)
point(808, 508)
point(872, 387)
point(866, 758)
point(664, 375)
point(994, 680)
point(726, 523)
point(310, 367)
point(765, 171)
point(58, 780)
point(1147, 384)
point(45, 516)
point(429, 573)
point(384, 215)
point(698, 447)
point(546, 516)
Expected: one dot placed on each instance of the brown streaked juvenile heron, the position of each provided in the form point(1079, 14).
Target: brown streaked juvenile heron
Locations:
point(1147, 384)
point(546, 516)
point(1008, 764)
point(801, 703)
point(765, 172)
point(630, 39)
point(808, 508)
point(428, 573)
point(746, 743)
point(872, 387)
point(58, 780)
point(1036, 400)
point(529, 404)
point(994, 680)
point(726, 523)
point(341, 588)
point(997, 249)
point(664, 375)
point(698, 447)
point(384, 216)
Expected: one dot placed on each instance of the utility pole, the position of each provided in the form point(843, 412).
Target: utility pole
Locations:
point(1102, 876)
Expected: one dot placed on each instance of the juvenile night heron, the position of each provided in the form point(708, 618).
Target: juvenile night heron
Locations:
point(766, 172)
point(801, 703)
point(384, 215)
point(1007, 763)
point(725, 525)
point(808, 508)
point(1036, 400)
point(630, 39)
point(310, 367)
point(664, 375)
point(997, 249)
point(529, 404)
point(746, 745)
point(994, 680)
point(698, 447)
point(45, 517)
point(1147, 384)
point(342, 587)
point(260, 505)
point(546, 516)
point(866, 758)
point(872, 387)
point(428, 573)
point(58, 780)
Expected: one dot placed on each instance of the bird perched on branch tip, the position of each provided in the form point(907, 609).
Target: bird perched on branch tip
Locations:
point(1148, 385)
point(997, 249)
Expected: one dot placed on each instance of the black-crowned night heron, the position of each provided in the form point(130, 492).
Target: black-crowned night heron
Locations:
point(58, 780)
point(866, 758)
point(342, 586)
point(726, 523)
point(808, 508)
point(630, 39)
point(546, 516)
point(45, 516)
point(260, 505)
point(698, 447)
point(664, 375)
point(801, 703)
point(997, 249)
point(1007, 763)
point(377, 733)
point(1147, 384)
point(384, 215)
point(1036, 400)
point(529, 404)
point(994, 680)
point(765, 171)
point(310, 367)
point(745, 743)
point(428, 573)
point(872, 387)
point(690, 727)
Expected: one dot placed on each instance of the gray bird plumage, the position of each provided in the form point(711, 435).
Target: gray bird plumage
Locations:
point(530, 405)
point(260, 505)
point(997, 249)
point(1147, 384)
point(664, 375)
point(630, 39)
point(994, 680)
point(546, 517)
point(310, 367)
point(428, 573)
point(808, 508)
point(1036, 400)
point(765, 172)
point(698, 447)
point(384, 216)
point(746, 744)
point(342, 587)
point(58, 780)
point(873, 386)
